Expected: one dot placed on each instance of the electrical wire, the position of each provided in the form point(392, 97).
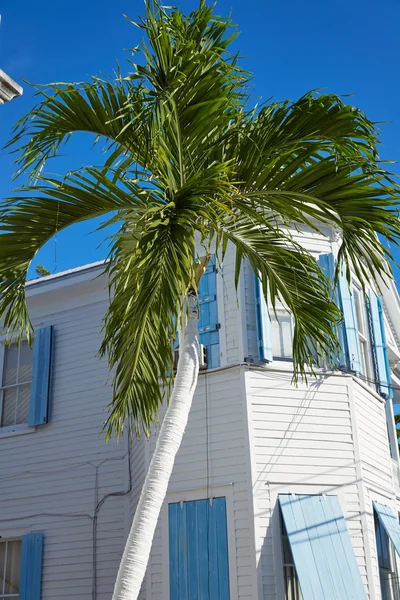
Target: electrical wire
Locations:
point(98, 507)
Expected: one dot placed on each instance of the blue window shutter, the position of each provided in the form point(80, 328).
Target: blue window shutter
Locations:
point(198, 550)
point(379, 340)
point(321, 546)
point(390, 523)
point(327, 264)
point(347, 304)
point(39, 411)
point(31, 567)
point(263, 323)
point(385, 350)
point(208, 322)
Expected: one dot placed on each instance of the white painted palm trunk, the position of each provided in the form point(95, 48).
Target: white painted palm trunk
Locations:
point(138, 546)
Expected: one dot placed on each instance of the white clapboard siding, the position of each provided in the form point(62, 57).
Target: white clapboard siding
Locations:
point(373, 438)
point(302, 442)
point(226, 465)
point(51, 479)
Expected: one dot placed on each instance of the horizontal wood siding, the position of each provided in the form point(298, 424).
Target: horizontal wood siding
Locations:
point(373, 439)
point(216, 422)
point(302, 441)
point(53, 478)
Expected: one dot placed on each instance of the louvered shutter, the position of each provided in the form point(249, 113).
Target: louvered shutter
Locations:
point(31, 567)
point(348, 307)
point(264, 339)
point(198, 550)
point(378, 339)
point(208, 322)
point(327, 264)
point(39, 410)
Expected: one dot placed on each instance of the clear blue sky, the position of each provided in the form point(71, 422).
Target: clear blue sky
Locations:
point(346, 47)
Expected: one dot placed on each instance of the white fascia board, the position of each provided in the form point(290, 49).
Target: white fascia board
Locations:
point(65, 278)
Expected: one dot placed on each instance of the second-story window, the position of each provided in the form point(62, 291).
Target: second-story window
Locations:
point(10, 566)
point(363, 333)
point(16, 384)
point(281, 334)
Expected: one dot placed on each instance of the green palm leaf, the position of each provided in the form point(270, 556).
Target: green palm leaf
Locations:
point(185, 160)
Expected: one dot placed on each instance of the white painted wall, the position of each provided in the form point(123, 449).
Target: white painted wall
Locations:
point(251, 435)
point(218, 423)
point(52, 477)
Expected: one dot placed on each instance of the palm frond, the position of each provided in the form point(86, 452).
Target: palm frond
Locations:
point(291, 275)
point(185, 158)
point(151, 268)
point(315, 161)
point(111, 110)
point(28, 221)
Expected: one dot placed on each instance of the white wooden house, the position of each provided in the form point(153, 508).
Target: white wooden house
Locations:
point(278, 490)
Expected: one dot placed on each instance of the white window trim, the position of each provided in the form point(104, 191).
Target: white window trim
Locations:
point(188, 496)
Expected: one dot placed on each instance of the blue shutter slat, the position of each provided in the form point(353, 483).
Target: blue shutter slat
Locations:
point(208, 322)
point(198, 544)
point(219, 511)
point(39, 410)
point(321, 546)
point(213, 550)
point(193, 556)
point(201, 541)
point(327, 264)
point(263, 324)
point(350, 323)
point(183, 552)
point(173, 549)
point(385, 351)
point(343, 546)
point(390, 523)
point(31, 567)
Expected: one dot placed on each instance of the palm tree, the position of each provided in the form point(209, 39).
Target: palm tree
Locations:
point(189, 168)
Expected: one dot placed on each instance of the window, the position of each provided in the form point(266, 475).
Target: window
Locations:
point(292, 586)
point(362, 328)
point(10, 566)
point(16, 384)
point(387, 561)
point(282, 334)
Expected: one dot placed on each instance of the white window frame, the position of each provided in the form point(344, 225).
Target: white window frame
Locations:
point(281, 310)
point(363, 331)
point(7, 541)
point(21, 427)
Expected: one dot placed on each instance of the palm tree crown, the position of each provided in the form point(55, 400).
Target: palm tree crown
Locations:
point(187, 160)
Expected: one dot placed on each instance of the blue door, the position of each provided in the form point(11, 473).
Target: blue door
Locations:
point(198, 550)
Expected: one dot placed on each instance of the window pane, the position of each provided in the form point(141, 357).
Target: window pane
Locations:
point(13, 567)
point(359, 311)
point(25, 363)
point(2, 565)
point(363, 350)
point(282, 334)
point(24, 392)
point(10, 365)
point(9, 406)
